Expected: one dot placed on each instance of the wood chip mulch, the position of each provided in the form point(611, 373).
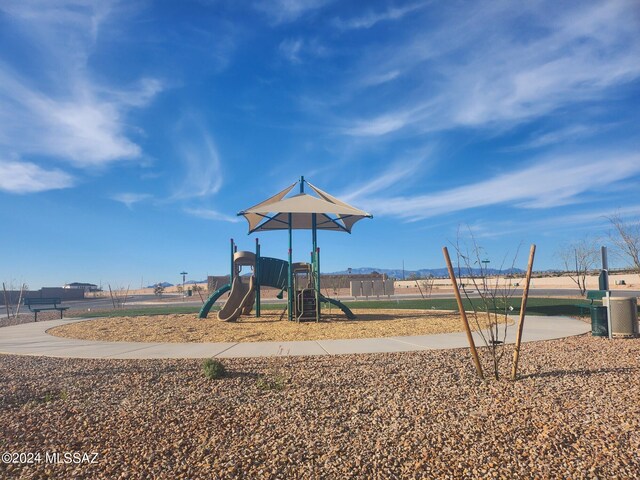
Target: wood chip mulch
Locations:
point(269, 327)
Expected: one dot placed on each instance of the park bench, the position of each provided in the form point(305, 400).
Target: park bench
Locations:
point(591, 295)
point(40, 304)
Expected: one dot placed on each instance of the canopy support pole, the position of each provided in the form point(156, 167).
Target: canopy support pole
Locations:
point(318, 289)
point(231, 271)
point(315, 262)
point(290, 277)
point(256, 273)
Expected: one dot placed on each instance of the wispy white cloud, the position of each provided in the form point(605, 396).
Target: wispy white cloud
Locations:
point(389, 122)
point(209, 214)
point(403, 170)
point(370, 18)
point(199, 159)
point(559, 135)
point(80, 128)
point(285, 11)
point(63, 18)
point(130, 199)
point(594, 220)
point(547, 183)
point(63, 112)
point(379, 78)
point(294, 49)
point(597, 216)
point(27, 177)
point(290, 49)
point(139, 95)
point(471, 79)
point(379, 126)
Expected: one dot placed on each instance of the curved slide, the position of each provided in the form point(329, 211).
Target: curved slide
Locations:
point(204, 311)
point(240, 300)
point(340, 305)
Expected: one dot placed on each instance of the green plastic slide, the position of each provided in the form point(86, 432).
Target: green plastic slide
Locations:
point(340, 305)
point(204, 311)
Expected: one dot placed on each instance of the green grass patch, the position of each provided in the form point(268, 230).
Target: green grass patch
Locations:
point(535, 306)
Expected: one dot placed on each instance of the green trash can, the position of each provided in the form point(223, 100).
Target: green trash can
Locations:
point(189, 293)
point(599, 325)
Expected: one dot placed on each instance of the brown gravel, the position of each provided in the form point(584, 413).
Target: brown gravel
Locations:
point(189, 328)
point(575, 413)
point(28, 318)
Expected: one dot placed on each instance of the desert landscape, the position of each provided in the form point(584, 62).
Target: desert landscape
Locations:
point(318, 240)
point(619, 283)
point(573, 413)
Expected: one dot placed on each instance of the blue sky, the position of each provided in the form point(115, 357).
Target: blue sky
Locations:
point(131, 133)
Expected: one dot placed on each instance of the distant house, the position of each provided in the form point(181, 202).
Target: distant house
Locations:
point(87, 287)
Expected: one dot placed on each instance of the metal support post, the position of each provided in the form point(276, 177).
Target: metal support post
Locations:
point(317, 289)
point(256, 273)
point(232, 265)
point(290, 276)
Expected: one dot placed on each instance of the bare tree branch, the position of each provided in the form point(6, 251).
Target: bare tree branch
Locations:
point(578, 259)
point(626, 238)
point(488, 296)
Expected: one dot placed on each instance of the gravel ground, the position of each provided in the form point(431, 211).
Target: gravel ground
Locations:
point(269, 327)
point(27, 318)
point(575, 413)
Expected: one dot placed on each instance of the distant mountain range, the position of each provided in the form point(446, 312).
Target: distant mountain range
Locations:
point(396, 273)
point(426, 272)
point(167, 284)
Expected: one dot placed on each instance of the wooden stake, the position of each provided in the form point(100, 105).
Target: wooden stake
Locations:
point(111, 294)
point(6, 300)
point(200, 295)
point(523, 308)
point(126, 295)
point(22, 289)
point(463, 314)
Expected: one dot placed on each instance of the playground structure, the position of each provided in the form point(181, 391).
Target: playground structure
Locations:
point(244, 290)
point(301, 280)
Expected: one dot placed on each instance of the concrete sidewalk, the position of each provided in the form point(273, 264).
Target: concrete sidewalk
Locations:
point(32, 339)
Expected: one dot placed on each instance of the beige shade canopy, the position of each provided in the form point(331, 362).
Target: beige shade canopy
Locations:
point(326, 211)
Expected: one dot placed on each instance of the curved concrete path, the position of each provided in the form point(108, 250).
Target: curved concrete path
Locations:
point(32, 339)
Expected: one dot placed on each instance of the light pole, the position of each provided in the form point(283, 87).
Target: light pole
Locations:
point(184, 276)
point(485, 273)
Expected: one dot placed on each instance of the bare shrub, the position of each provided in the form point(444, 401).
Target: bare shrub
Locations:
point(490, 299)
point(198, 289)
point(425, 286)
point(158, 290)
point(10, 298)
point(578, 259)
point(626, 237)
point(119, 296)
